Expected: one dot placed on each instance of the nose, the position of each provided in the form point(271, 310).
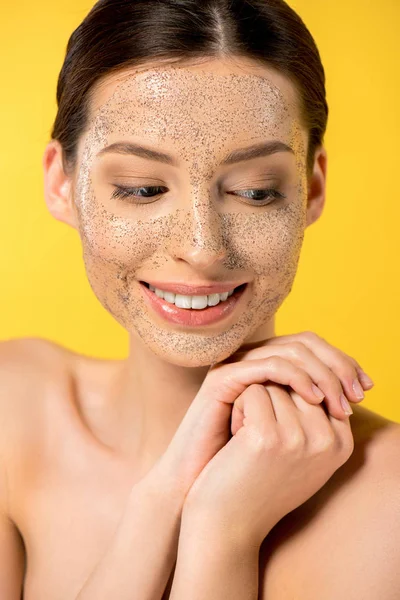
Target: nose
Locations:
point(200, 241)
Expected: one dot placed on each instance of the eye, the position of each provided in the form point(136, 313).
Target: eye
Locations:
point(262, 194)
point(127, 192)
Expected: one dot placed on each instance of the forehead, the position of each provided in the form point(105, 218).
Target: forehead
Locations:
point(200, 103)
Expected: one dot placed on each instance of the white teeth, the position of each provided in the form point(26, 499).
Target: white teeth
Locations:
point(196, 302)
point(169, 296)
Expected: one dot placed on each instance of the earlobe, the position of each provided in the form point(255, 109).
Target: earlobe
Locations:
point(317, 187)
point(58, 185)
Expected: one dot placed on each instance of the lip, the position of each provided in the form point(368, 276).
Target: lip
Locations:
point(193, 318)
point(192, 290)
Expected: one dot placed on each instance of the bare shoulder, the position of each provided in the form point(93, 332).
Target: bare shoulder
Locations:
point(24, 358)
point(28, 368)
point(30, 347)
point(345, 541)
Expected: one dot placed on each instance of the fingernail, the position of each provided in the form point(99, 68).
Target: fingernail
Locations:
point(345, 405)
point(365, 380)
point(317, 392)
point(359, 392)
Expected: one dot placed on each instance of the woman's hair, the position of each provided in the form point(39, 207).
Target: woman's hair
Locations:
point(119, 34)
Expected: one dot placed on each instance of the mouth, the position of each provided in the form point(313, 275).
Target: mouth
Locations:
point(239, 288)
point(192, 317)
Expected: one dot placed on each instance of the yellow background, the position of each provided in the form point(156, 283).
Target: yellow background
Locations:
point(346, 288)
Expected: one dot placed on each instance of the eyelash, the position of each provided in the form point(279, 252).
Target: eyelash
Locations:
point(126, 192)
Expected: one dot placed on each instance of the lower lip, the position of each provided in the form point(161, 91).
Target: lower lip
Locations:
point(193, 317)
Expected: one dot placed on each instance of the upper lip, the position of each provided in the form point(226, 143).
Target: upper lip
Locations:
point(190, 290)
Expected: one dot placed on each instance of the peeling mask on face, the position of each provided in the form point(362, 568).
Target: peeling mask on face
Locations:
point(204, 225)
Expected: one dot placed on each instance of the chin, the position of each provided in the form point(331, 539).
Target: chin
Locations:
point(197, 360)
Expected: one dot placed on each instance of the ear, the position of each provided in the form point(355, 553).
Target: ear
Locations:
point(317, 187)
point(58, 186)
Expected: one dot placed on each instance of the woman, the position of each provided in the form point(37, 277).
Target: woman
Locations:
point(188, 153)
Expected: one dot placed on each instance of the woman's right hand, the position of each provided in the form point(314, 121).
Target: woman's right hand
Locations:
point(210, 422)
point(283, 454)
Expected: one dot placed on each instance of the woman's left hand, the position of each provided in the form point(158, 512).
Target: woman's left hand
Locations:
point(325, 364)
point(297, 362)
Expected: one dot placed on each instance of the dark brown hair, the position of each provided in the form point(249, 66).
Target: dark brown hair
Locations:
point(118, 34)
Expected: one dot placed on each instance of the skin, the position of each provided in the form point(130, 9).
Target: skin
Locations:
point(193, 233)
point(100, 425)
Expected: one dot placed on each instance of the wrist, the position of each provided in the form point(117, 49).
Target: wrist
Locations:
point(161, 485)
point(218, 530)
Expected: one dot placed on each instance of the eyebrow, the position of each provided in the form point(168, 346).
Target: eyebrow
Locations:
point(255, 151)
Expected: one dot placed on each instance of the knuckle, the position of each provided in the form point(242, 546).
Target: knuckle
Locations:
point(274, 387)
point(254, 388)
point(333, 380)
point(296, 349)
point(345, 447)
point(323, 442)
point(271, 442)
point(346, 370)
point(311, 336)
point(261, 442)
point(295, 440)
point(274, 361)
point(348, 445)
point(345, 367)
point(216, 372)
point(254, 438)
point(349, 359)
point(350, 375)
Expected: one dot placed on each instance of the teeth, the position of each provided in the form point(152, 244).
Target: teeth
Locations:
point(196, 302)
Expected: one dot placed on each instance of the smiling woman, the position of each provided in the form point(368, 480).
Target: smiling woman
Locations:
point(217, 460)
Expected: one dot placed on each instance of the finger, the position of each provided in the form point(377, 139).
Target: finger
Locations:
point(259, 403)
point(308, 337)
point(237, 417)
point(257, 408)
point(229, 381)
point(320, 426)
point(345, 367)
point(270, 412)
point(321, 374)
point(344, 435)
point(365, 380)
point(315, 421)
point(327, 381)
point(286, 412)
point(312, 340)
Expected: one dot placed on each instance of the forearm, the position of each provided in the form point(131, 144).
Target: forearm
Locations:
point(211, 565)
point(142, 552)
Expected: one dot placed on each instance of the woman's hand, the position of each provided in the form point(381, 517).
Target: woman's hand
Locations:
point(286, 450)
point(210, 421)
point(337, 374)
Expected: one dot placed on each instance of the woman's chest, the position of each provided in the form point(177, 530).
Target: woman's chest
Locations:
point(71, 497)
point(67, 522)
point(67, 508)
point(68, 526)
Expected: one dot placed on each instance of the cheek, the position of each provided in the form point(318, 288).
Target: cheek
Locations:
point(113, 250)
point(113, 239)
point(110, 238)
point(274, 244)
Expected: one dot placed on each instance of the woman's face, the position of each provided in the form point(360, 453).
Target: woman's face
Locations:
point(204, 224)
